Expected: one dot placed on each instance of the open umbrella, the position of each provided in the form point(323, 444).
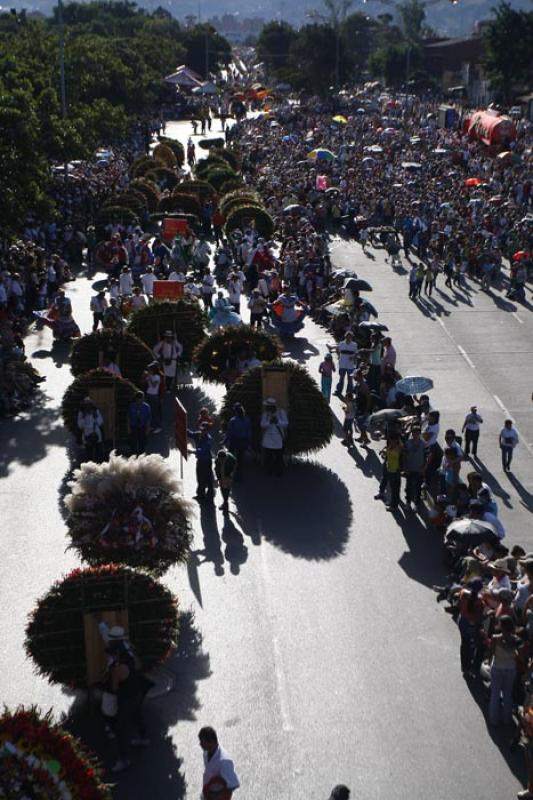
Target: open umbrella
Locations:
point(373, 148)
point(344, 273)
point(379, 418)
point(333, 190)
point(360, 111)
point(292, 208)
point(411, 165)
point(414, 384)
point(440, 151)
point(521, 255)
point(320, 154)
point(357, 285)
point(340, 119)
point(290, 137)
point(373, 326)
point(368, 161)
point(372, 310)
point(473, 182)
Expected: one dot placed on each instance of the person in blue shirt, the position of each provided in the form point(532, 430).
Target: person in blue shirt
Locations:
point(139, 419)
point(203, 451)
point(238, 437)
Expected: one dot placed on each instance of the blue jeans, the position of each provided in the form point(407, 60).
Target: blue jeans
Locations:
point(507, 456)
point(501, 684)
point(471, 648)
point(340, 384)
point(326, 386)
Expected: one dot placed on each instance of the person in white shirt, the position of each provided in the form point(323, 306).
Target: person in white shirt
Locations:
point(167, 351)
point(471, 430)
point(153, 379)
point(219, 771)
point(147, 282)
point(274, 424)
point(125, 282)
point(347, 350)
point(137, 300)
point(90, 423)
point(208, 288)
point(177, 275)
point(98, 306)
point(508, 440)
point(234, 287)
point(111, 366)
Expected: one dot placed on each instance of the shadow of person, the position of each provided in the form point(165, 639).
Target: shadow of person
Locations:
point(307, 513)
point(27, 437)
point(60, 352)
point(236, 552)
point(418, 561)
point(492, 482)
point(501, 736)
point(299, 348)
point(212, 550)
point(526, 498)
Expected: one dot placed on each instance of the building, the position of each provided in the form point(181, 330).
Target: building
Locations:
point(459, 62)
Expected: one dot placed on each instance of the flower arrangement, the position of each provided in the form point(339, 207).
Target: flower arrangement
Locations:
point(129, 510)
point(41, 761)
point(127, 350)
point(218, 355)
point(184, 317)
point(310, 420)
point(124, 392)
point(55, 637)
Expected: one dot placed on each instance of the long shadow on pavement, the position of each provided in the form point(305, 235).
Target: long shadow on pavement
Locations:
point(492, 482)
point(28, 437)
point(526, 498)
point(307, 512)
point(156, 770)
point(419, 561)
point(299, 348)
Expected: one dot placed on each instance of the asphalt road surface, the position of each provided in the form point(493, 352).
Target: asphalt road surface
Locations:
point(311, 637)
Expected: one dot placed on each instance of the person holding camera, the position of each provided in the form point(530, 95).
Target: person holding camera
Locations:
point(168, 351)
point(274, 424)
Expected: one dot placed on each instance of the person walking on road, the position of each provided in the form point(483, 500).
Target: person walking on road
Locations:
point(238, 436)
point(225, 466)
point(98, 306)
point(205, 489)
point(139, 418)
point(471, 431)
point(220, 779)
point(508, 441)
point(414, 463)
point(347, 350)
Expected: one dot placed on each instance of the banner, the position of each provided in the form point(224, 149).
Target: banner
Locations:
point(181, 429)
point(168, 290)
point(173, 227)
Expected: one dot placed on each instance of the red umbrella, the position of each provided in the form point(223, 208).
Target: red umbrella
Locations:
point(520, 255)
point(473, 182)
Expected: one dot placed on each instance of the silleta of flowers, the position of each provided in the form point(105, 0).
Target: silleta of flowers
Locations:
point(39, 760)
point(226, 354)
point(55, 634)
point(129, 510)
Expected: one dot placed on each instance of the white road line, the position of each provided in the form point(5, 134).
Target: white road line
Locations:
point(500, 403)
point(279, 672)
point(467, 358)
point(515, 315)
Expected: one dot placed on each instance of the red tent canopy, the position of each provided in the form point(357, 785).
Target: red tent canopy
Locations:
point(490, 128)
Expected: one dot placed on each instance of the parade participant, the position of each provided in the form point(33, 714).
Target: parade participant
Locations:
point(137, 300)
point(234, 286)
point(223, 313)
point(98, 306)
point(508, 440)
point(139, 418)
point(154, 382)
point(238, 436)
point(204, 463)
point(208, 288)
point(471, 431)
point(347, 350)
point(128, 685)
point(90, 424)
point(326, 369)
point(167, 351)
point(274, 426)
point(110, 365)
point(125, 282)
point(288, 313)
point(257, 305)
point(225, 467)
point(220, 779)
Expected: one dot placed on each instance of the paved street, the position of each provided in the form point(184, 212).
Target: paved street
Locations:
point(312, 639)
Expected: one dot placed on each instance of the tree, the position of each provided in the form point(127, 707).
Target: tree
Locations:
point(313, 58)
point(274, 45)
point(202, 41)
point(509, 45)
point(359, 36)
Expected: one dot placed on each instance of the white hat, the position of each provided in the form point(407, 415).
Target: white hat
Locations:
point(116, 633)
point(270, 401)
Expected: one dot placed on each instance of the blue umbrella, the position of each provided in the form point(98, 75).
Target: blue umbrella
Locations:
point(370, 308)
point(414, 384)
point(290, 137)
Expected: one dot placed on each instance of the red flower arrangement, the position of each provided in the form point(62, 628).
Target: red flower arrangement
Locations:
point(39, 759)
point(55, 636)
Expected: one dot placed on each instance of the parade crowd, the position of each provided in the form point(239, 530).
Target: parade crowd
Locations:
point(389, 177)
